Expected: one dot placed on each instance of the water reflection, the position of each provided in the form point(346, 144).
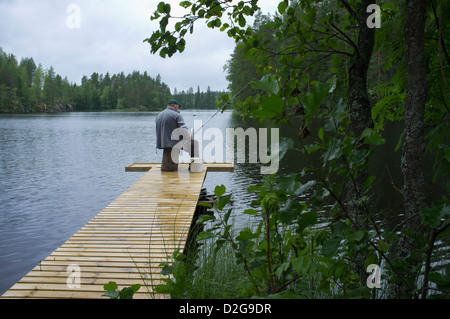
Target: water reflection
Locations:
point(57, 171)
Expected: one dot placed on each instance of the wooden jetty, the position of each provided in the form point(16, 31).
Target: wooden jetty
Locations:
point(125, 242)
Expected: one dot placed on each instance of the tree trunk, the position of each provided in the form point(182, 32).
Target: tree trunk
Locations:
point(416, 95)
point(413, 140)
point(360, 119)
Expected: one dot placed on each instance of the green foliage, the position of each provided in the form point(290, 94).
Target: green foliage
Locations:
point(213, 274)
point(434, 216)
point(198, 99)
point(176, 271)
point(311, 238)
point(287, 253)
point(27, 88)
point(442, 282)
point(112, 291)
point(169, 42)
point(312, 243)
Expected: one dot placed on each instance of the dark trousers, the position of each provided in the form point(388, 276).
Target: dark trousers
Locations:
point(169, 165)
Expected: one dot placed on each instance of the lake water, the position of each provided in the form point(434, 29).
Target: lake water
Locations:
point(57, 171)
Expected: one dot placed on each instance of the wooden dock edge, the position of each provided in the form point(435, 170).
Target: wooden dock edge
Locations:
point(210, 167)
point(112, 244)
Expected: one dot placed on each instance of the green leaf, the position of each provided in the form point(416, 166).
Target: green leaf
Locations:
point(312, 99)
point(356, 236)
point(358, 158)
point(291, 210)
point(219, 191)
point(338, 228)
point(301, 264)
point(282, 6)
point(333, 151)
point(338, 270)
point(163, 24)
point(321, 133)
point(311, 148)
point(226, 230)
point(227, 216)
point(167, 8)
point(440, 280)
point(384, 245)
point(135, 287)
point(242, 21)
point(286, 144)
point(287, 183)
point(110, 286)
point(255, 188)
point(223, 201)
point(185, 4)
point(330, 246)
point(268, 84)
point(372, 137)
point(246, 234)
point(307, 219)
point(287, 216)
point(126, 293)
point(166, 270)
point(432, 216)
point(205, 218)
point(112, 294)
point(250, 211)
point(282, 269)
point(161, 7)
point(272, 106)
point(304, 188)
point(205, 204)
point(181, 45)
point(255, 43)
point(219, 244)
point(205, 235)
point(232, 32)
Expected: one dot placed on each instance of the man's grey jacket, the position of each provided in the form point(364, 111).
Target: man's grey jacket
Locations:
point(167, 121)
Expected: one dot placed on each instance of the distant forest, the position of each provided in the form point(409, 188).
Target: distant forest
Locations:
point(27, 88)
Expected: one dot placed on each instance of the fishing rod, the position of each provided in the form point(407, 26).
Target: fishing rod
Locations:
point(220, 108)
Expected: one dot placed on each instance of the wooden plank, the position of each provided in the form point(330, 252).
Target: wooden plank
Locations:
point(211, 167)
point(126, 242)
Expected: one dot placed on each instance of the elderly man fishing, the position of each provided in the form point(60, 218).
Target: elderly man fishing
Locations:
point(172, 136)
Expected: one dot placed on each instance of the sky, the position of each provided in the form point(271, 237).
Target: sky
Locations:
point(80, 37)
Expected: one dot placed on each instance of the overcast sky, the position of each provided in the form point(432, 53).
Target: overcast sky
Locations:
point(109, 38)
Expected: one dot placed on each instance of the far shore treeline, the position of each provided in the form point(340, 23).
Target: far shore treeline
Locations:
point(29, 88)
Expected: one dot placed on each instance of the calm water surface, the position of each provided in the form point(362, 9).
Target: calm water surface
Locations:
point(57, 171)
